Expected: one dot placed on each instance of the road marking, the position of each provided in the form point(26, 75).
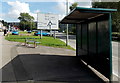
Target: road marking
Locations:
point(96, 72)
point(115, 57)
point(116, 74)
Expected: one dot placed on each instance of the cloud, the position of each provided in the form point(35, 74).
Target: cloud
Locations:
point(61, 7)
point(61, 16)
point(82, 0)
point(18, 7)
point(1, 19)
point(85, 4)
point(62, 0)
point(37, 11)
point(34, 15)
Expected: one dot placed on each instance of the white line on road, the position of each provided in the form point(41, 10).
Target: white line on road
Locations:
point(116, 57)
point(116, 74)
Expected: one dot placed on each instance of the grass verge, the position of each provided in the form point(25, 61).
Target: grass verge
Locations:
point(45, 41)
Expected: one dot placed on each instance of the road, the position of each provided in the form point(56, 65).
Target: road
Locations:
point(115, 48)
point(72, 39)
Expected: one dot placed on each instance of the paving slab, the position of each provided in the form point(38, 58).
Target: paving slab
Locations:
point(21, 49)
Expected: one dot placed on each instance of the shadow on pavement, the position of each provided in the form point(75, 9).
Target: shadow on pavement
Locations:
point(48, 68)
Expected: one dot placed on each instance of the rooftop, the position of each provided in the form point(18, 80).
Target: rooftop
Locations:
point(80, 14)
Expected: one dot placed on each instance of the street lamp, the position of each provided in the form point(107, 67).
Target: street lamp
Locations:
point(67, 24)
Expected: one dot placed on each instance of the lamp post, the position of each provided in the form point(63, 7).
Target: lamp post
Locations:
point(67, 24)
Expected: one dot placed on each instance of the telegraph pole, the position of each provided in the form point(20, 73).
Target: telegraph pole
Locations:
point(67, 24)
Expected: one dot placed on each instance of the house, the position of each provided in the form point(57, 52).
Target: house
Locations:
point(1, 26)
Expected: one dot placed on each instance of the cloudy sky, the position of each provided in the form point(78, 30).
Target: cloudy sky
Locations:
point(10, 9)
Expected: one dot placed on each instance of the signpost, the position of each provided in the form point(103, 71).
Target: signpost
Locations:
point(67, 24)
point(47, 22)
point(50, 24)
point(47, 19)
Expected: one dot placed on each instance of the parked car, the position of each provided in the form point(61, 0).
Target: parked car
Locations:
point(29, 31)
point(15, 33)
point(43, 33)
point(34, 30)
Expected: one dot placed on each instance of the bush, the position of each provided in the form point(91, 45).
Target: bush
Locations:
point(116, 36)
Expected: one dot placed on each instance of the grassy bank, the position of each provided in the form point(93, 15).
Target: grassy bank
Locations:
point(45, 41)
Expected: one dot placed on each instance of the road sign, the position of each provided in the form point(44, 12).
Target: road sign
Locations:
point(47, 21)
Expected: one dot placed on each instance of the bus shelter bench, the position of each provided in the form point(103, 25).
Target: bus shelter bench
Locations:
point(31, 40)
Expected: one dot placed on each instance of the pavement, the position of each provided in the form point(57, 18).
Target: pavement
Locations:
point(5, 56)
point(116, 60)
point(21, 64)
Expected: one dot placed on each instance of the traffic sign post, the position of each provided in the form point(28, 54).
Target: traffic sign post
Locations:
point(54, 34)
point(50, 24)
point(40, 34)
point(45, 20)
point(67, 24)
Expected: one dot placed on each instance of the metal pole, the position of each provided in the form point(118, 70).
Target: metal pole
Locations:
point(67, 24)
point(50, 24)
point(54, 35)
point(50, 30)
point(40, 34)
point(110, 40)
point(31, 25)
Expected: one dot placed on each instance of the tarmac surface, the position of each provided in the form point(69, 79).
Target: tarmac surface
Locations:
point(21, 64)
point(71, 40)
point(115, 53)
point(48, 68)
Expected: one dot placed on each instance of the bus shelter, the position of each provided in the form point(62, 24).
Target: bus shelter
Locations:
point(93, 37)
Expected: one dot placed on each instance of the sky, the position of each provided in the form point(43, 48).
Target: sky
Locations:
point(11, 9)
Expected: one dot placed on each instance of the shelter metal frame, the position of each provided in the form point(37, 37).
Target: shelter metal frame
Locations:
point(82, 17)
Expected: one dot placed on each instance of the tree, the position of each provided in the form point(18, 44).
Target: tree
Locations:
point(72, 28)
point(4, 23)
point(74, 5)
point(115, 15)
point(26, 21)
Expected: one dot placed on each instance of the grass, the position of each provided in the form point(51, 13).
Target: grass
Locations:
point(25, 32)
point(45, 41)
point(116, 36)
point(116, 33)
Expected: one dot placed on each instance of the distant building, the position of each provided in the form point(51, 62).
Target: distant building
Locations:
point(14, 23)
point(1, 26)
point(63, 27)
